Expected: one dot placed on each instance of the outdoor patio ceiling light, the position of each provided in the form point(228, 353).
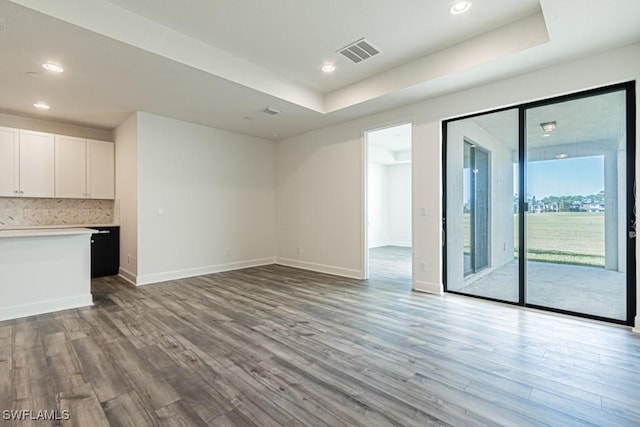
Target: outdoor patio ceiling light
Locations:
point(460, 7)
point(548, 126)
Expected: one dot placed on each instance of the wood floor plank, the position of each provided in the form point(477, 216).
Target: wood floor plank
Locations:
point(107, 379)
point(128, 410)
point(277, 346)
point(83, 407)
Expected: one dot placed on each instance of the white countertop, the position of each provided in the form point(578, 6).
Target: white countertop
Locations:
point(44, 232)
point(43, 227)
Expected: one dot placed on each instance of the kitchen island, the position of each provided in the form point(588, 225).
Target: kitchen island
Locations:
point(44, 270)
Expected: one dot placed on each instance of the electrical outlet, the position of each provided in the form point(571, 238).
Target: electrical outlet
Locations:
point(299, 250)
point(228, 252)
point(423, 266)
point(128, 259)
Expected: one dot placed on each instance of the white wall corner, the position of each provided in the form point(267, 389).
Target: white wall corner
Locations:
point(322, 268)
point(148, 279)
point(636, 328)
point(428, 287)
point(47, 306)
point(127, 276)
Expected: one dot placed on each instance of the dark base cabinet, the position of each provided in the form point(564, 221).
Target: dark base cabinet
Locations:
point(105, 251)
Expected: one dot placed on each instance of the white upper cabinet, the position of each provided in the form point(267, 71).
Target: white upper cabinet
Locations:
point(9, 162)
point(100, 169)
point(36, 164)
point(71, 167)
point(84, 168)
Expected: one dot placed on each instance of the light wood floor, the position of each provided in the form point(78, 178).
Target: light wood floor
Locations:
point(274, 346)
point(391, 265)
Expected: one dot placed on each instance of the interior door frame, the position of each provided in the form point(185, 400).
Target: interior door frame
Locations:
point(364, 201)
point(630, 217)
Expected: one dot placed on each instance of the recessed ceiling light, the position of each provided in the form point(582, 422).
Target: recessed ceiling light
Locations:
point(562, 156)
point(460, 7)
point(41, 105)
point(548, 126)
point(328, 68)
point(546, 135)
point(53, 67)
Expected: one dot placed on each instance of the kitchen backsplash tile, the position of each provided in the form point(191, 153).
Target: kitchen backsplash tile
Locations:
point(28, 212)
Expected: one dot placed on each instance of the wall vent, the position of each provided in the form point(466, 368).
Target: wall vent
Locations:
point(359, 50)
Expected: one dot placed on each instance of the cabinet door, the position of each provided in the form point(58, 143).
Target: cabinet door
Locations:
point(9, 162)
point(36, 164)
point(100, 169)
point(71, 167)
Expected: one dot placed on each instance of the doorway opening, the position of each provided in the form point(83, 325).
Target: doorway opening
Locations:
point(388, 206)
point(539, 204)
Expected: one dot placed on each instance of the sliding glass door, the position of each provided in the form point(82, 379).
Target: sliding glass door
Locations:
point(480, 220)
point(561, 171)
point(576, 226)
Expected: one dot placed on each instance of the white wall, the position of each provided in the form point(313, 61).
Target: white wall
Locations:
point(206, 199)
point(126, 136)
point(378, 204)
point(320, 179)
point(400, 204)
point(319, 200)
point(389, 204)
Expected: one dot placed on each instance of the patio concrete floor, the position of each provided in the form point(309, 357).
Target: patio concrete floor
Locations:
point(587, 290)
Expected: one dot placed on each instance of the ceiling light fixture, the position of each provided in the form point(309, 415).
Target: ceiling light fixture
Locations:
point(53, 67)
point(548, 126)
point(562, 156)
point(328, 68)
point(460, 7)
point(41, 105)
point(272, 110)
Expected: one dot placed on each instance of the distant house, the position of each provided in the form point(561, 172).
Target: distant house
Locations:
point(539, 207)
point(592, 207)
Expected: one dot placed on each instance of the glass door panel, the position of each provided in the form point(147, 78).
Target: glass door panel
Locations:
point(482, 201)
point(576, 225)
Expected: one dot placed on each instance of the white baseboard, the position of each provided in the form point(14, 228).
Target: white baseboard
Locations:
point(41, 307)
point(148, 279)
point(428, 287)
point(401, 244)
point(380, 245)
point(321, 268)
point(127, 275)
point(636, 328)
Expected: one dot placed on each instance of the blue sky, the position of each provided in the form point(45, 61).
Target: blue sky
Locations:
point(564, 177)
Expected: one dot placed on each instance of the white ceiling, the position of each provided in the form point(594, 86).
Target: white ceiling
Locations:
point(600, 119)
point(220, 62)
point(394, 138)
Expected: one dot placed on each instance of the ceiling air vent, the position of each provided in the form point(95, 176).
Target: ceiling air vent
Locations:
point(359, 51)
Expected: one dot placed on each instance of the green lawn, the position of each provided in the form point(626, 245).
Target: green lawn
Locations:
point(561, 237)
point(566, 238)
